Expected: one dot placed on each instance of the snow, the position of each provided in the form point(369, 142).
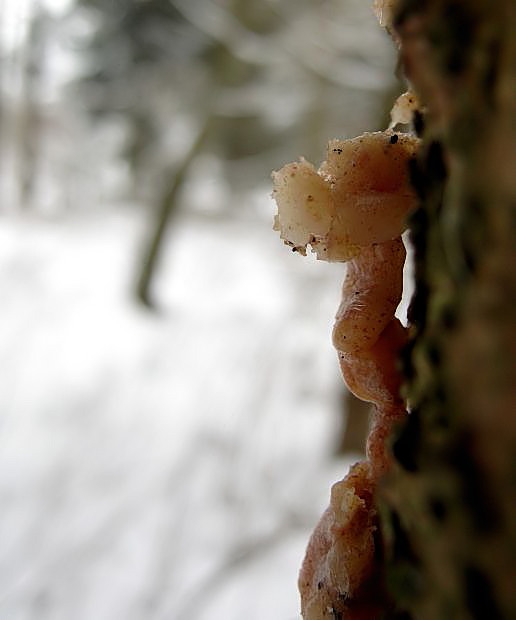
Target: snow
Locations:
point(167, 465)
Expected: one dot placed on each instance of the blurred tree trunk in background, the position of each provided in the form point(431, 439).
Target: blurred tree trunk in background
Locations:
point(2, 83)
point(29, 127)
point(449, 506)
point(22, 70)
point(354, 424)
point(167, 204)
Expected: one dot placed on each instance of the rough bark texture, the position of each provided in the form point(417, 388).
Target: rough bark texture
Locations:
point(448, 509)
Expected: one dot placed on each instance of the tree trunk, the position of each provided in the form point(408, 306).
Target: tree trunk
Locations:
point(448, 509)
point(355, 417)
point(30, 135)
point(167, 204)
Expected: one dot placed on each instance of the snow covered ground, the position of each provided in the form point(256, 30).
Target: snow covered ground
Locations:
point(161, 466)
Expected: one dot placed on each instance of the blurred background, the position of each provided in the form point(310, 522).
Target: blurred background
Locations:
point(171, 411)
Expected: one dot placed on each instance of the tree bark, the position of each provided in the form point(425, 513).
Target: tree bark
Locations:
point(448, 508)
